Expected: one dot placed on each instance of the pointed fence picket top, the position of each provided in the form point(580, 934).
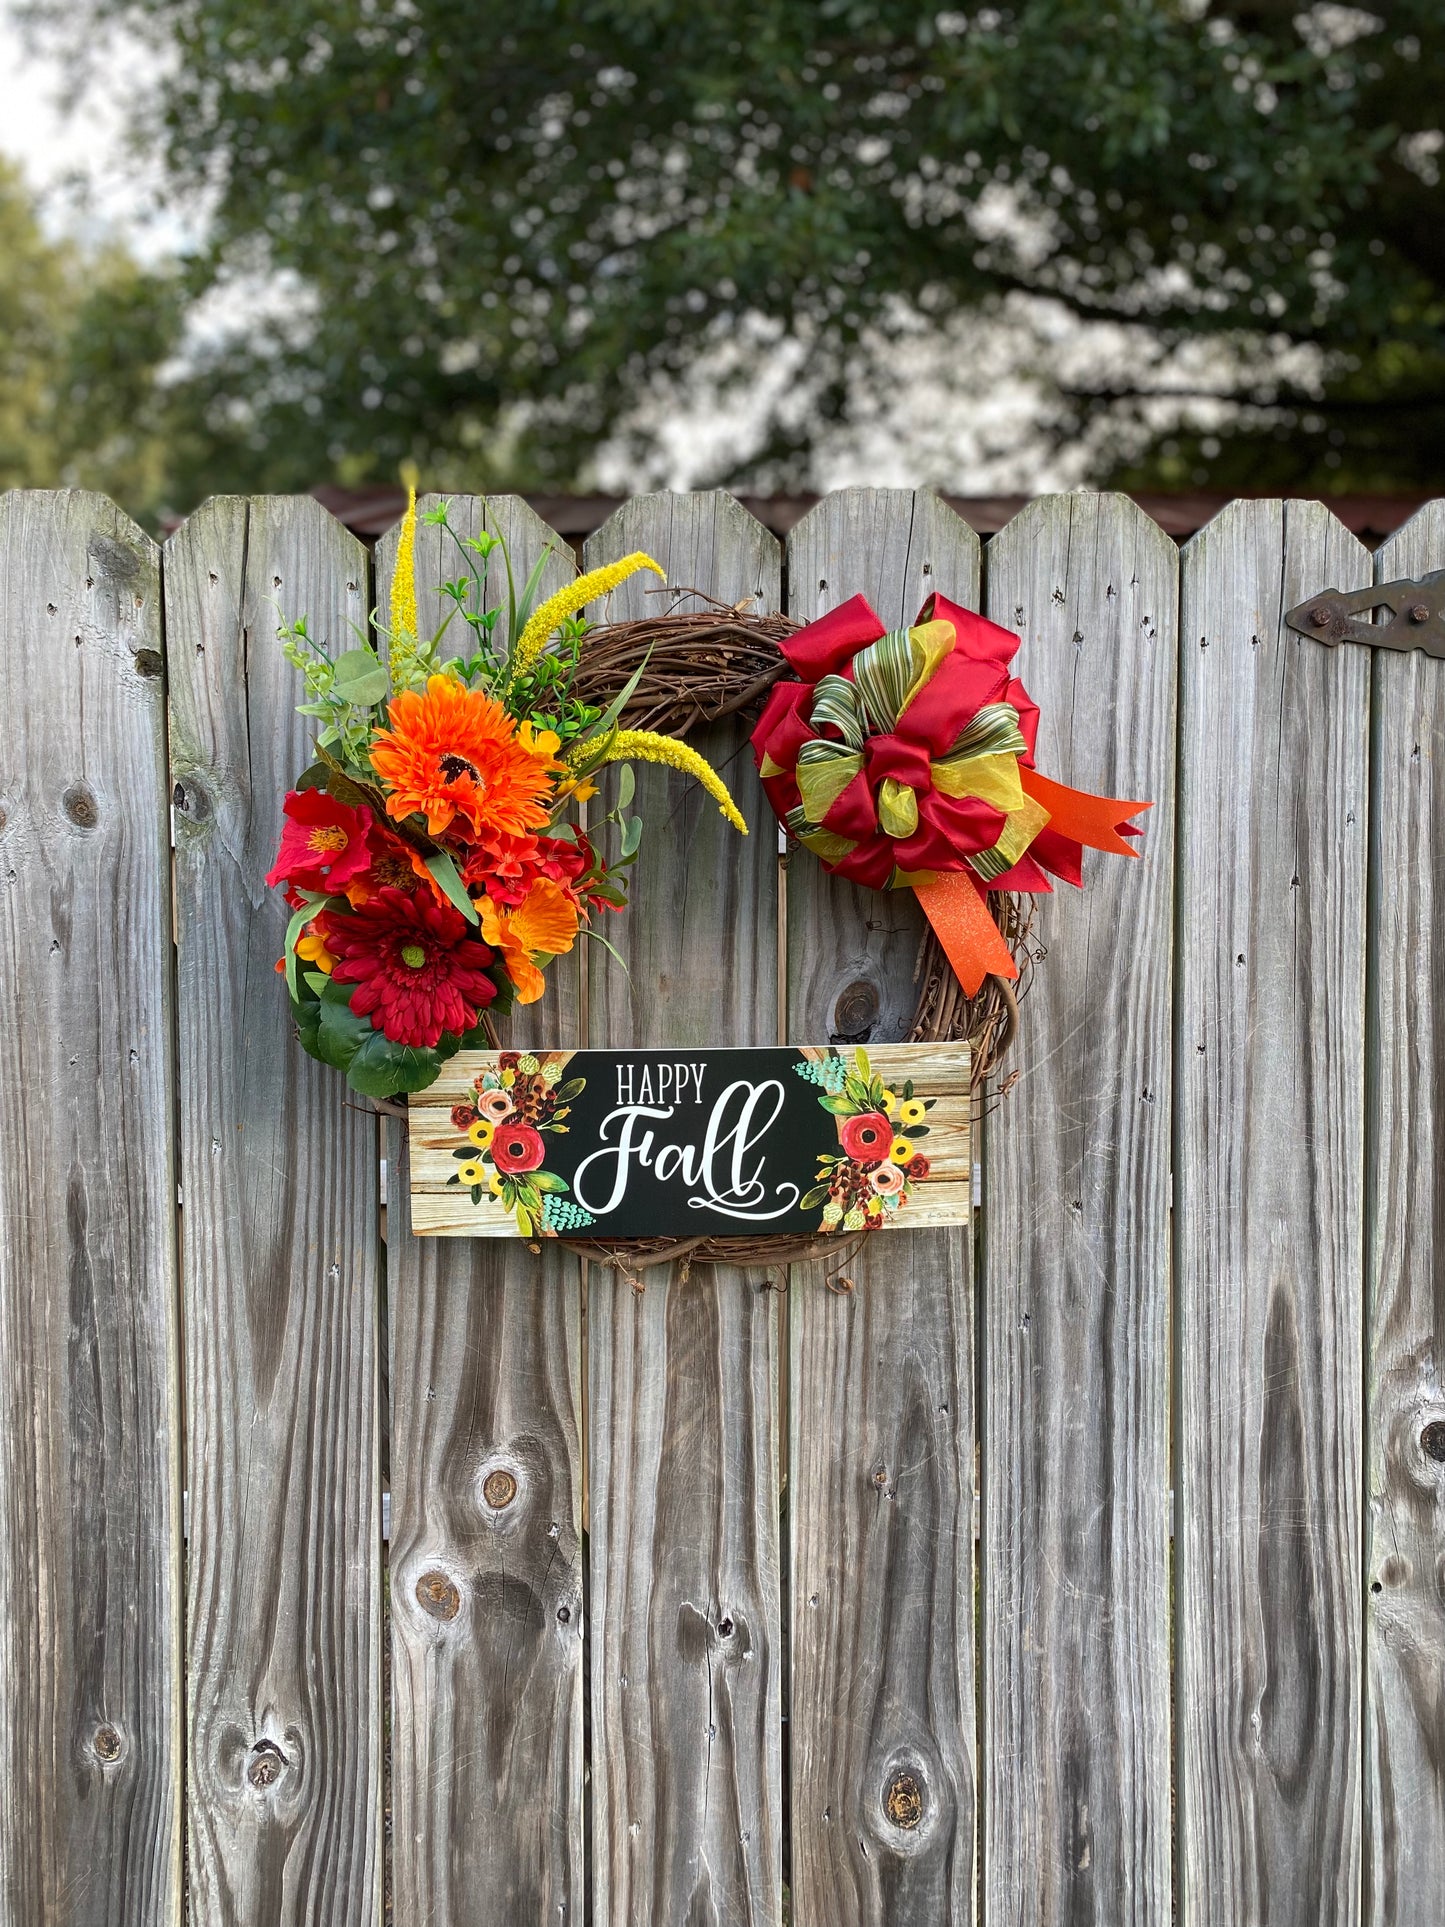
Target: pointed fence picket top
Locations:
point(1274, 809)
point(486, 1475)
point(90, 1709)
point(881, 1722)
point(1255, 974)
point(280, 1258)
point(686, 1647)
point(1076, 1259)
point(1405, 1423)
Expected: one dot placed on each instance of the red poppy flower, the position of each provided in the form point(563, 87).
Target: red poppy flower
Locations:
point(517, 1147)
point(867, 1137)
point(323, 842)
point(504, 867)
point(417, 969)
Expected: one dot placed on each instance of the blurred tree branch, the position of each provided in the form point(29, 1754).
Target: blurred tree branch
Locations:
point(502, 230)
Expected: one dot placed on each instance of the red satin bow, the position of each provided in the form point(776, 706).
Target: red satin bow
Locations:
point(945, 800)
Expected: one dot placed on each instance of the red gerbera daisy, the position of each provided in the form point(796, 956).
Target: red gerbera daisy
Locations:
point(323, 842)
point(417, 969)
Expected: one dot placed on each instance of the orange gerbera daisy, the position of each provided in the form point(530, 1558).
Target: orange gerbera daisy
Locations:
point(544, 923)
point(455, 752)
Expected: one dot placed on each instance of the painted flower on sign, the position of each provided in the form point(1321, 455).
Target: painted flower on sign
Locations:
point(877, 1165)
point(519, 1104)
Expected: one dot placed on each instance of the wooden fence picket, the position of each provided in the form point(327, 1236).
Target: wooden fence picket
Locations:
point(881, 1716)
point(732, 1523)
point(486, 1485)
point(1269, 1229)
point(683, 1450)
point(1076, 1260)
point(90, 1707)
point(280, 1252)
point(1405, 1650)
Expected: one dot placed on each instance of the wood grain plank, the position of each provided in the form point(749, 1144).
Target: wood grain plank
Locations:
point(881, 1719)
point(280, 1262)
point(686, 1654)
point(1076, 1260)
point(89, 1431)
point(1269, 1207)
point(1405, 1620)
point(487, 1596)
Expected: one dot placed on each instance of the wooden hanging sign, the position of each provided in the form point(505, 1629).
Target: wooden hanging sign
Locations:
point(685, 1143)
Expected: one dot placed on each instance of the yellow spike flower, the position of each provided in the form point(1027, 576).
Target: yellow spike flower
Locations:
point(403, 581)
point(587, 588)
point(644, 746)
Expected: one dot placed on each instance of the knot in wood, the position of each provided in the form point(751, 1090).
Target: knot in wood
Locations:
point(148, 662)
point(903, 1802)
point(108, 1744)
point(436, 1594)
point(499, 1488)
point(268, 1763)
point(1432, 1441)
point(79, 805)
point(855, 1013)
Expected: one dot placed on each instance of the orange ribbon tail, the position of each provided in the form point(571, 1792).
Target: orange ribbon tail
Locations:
point(1094, 820)
point(971, 939)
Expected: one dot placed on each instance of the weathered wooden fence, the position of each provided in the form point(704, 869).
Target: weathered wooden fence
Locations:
point(1096, 1575)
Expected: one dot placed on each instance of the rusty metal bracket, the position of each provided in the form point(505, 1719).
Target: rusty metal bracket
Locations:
point(1416, 610)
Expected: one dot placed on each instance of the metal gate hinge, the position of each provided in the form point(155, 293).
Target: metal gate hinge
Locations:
point(1416, 609)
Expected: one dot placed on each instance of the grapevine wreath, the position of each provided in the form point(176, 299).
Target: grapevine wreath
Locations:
point(437, 855)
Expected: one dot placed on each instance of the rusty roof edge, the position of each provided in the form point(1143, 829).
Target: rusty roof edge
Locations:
point(370, 512)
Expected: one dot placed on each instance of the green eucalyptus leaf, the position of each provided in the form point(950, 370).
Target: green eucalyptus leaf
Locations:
point(631, 837)
point(626, 785)
point(360, 678)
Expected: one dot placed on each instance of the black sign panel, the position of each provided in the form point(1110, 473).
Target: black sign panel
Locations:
point(688, 1143)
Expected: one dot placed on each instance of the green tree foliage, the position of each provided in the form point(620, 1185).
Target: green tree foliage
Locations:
point(84, 337)
point(506, 225)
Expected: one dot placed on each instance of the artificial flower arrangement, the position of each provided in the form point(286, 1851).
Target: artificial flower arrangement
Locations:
point(878, 1161)
point(434, 855)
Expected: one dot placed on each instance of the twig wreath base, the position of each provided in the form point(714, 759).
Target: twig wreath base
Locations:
point(700, 668)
